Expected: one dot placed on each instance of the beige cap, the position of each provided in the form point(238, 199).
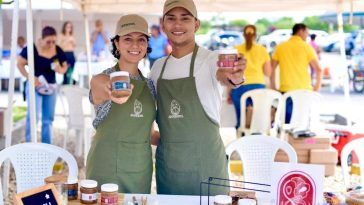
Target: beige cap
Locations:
point(131, 23)
point(189, 5)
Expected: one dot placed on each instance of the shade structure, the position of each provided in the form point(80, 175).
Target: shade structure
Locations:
point(155, 6)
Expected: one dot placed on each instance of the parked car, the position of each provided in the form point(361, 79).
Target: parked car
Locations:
point(223, 39)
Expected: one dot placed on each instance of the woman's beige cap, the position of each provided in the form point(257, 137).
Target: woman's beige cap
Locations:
point(131, 23)
point(189, 5)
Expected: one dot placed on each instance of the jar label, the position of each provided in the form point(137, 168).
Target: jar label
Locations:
point(88, 197)
point(109, 199)
point(119, 85)
point(72, 192)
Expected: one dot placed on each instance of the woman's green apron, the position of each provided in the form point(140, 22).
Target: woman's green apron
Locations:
point(191, 149)
point(120, 152)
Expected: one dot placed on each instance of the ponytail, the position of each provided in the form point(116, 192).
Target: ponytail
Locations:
point(250, 32)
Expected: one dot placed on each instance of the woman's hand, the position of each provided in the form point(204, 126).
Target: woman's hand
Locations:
point(121, 100)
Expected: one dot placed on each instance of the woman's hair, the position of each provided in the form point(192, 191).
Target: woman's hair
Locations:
point(64, 27)
point(250, 32)
point(114, 50)
point(48, 31)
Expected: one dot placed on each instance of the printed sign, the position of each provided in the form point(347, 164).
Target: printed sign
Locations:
point(44, 195)
point(297, 184)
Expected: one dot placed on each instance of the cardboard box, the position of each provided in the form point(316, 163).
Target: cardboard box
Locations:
point(303, 156)
point(324, 156)
point(309, 143)
point(329, 169)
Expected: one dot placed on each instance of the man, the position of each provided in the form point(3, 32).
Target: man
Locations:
point(189, 95)
point(159, 43)
point(294, 58)
point(99, 39)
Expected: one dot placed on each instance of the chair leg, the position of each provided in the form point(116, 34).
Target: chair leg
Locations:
point(6, 177)
point(65, 138)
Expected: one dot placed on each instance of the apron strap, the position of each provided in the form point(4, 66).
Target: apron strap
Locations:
point(192, 65)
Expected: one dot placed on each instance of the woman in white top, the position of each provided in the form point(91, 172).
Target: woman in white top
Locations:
point(68, 44)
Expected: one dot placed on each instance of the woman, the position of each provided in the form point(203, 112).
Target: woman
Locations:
point(258, 66)
point(68, 43)
point(48, 59)
point(124, 155)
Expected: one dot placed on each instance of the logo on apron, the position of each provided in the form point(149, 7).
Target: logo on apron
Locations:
point(138, 109)
point(175, 110)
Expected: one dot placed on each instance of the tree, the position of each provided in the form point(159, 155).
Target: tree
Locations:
point(314, 22)
point(284, 23)
point(205, 26)
point(239, 23)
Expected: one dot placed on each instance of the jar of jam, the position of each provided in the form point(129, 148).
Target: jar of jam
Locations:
point(223, 200)
point(109, 194)
point(72, 189)
point(88, 192)
point(227, 58)
point(120, 84)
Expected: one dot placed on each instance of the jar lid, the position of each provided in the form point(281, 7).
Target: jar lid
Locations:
point(72, 181)
point(223, 199)
point(55, 179)
point(109, 187)
point(119, 73)
point(228, 51)
point(86, 183)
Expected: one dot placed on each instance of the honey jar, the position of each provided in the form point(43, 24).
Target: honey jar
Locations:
point(227, 58)
point(88, 192)
point(109, 194)
point(72, 189)
point(120, 84)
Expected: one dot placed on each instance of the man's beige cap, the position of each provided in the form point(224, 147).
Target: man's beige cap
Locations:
point(131, 23)
point(189, 5)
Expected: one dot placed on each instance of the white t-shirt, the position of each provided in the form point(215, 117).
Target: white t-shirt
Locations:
point(209, 89)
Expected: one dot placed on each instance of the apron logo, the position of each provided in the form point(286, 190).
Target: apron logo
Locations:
point(175, 110)
point(138, 109)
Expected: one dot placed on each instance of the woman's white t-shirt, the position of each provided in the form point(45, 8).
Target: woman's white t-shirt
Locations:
point(209, 89)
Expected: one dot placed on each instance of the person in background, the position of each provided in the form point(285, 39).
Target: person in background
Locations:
point(68, 43)
point(99, 39)
point(159, 44)
point(20, 44)
point(257, 67)
point(294, 58)
point(121, 151)
point(48, 59)
point(318, 52)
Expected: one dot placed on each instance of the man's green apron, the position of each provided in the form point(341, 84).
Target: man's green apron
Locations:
point(120, 152)
point(191, 149)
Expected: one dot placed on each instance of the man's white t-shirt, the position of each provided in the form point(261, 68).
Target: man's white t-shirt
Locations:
point(209, 89)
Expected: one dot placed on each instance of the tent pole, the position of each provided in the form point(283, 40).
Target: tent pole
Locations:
point(9, 113)
point(343, 64)
point(88, 50)
point(30, 44)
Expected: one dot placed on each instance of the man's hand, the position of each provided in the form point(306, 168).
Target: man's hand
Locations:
point(235, 74)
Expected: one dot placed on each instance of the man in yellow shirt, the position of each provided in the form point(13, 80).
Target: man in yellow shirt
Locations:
point(294, 58)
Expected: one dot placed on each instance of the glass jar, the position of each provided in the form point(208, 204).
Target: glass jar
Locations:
point(223, 200)
point(109, 194)
point(88, 192)
point(72, 189)
point(120, 84)
point(227, 58)
point(59, 183)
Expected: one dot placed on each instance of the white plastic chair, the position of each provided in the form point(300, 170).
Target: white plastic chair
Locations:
point(357, 146)
point(32, 162)
point(305, 111)
point(263, 100)
point(73, 96)
point(257, 153)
